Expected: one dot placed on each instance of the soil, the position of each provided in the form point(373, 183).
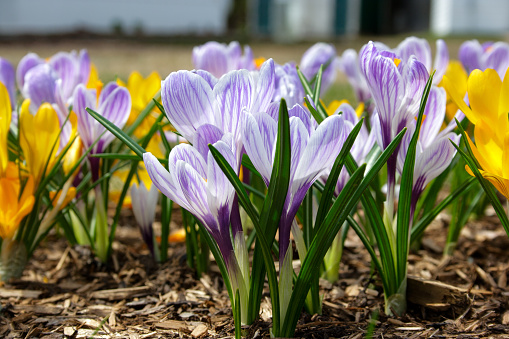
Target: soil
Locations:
point(65, 292)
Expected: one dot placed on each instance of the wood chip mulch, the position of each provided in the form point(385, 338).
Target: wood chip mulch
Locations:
point(66, 293)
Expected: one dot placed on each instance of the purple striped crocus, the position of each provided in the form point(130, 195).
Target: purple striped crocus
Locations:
point(114, 103)
point(193, 99)
point(317, 55)
point(349, 64)
point(313, 151)
point(288, 85)
point(421, 50)
point(42, 85)
point(362, 146)
point(434, 149)
point(196, 182)
point(219, 59)
point(396, 87)
point(474, 55)
point(72, 68)
point(144, 196)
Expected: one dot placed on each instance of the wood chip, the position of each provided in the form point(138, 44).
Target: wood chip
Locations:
point(121, 293)
point(173, 325)
point(6, 293)
point(426, 292)
point(38, 309)
point(199, 331)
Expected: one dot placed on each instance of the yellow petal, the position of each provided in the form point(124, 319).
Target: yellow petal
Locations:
point(457, 97)
point(5, 122)
point(39, 138)
point(483, 94)
point(334, 105)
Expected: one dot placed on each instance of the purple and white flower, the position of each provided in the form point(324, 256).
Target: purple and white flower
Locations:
point(421, 50)
point(396, 91)
point(219, 59)
point(71, 68)
point(144, 201)
point(434, 149)
point(317, 55)
point(313, 151)
point(362, 146)
point(114, 103)
point(474, 55)
point(349, 64)
point(288, 85)
point(193, 99)
point(196, 182)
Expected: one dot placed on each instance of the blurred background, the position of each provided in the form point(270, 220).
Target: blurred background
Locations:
point(127, 35)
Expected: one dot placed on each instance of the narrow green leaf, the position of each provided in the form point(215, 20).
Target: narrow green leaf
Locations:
point(406, 190)
point(338, 213)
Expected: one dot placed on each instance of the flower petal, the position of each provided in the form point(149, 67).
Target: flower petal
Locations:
point(187, 99)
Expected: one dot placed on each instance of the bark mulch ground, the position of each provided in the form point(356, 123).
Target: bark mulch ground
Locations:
point(66, 293)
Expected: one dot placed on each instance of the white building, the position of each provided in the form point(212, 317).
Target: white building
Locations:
point(469, 17)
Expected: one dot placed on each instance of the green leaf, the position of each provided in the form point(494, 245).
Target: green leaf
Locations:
point(338, 213)
point(405, 193)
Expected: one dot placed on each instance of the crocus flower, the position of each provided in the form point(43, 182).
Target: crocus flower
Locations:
point(349, 64)
point(8, 78)
point(195, 182)
point(317, 55)
point(473, 55)
point(396, 87)
point(362, 146)
point(489, 104)
point(42, 85)
point(421, 50)
point(144, 196)
point(25, 64)
point(218, 59)
point(71, 68)
point(13, 206)
point(313, 153)
point(457, 75)
point(434, 150)
point(5, 122)
point(288, 85)
point(39, 138)
point(114, 103)
point(193, 99)
point(142, 91)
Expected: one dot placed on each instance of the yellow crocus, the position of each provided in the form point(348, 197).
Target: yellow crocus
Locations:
point(14, 208)
point(39, 138)
point(489, 106)
point(458, 76)
point(93, 79)
point(142, 91)
point(5, 122)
